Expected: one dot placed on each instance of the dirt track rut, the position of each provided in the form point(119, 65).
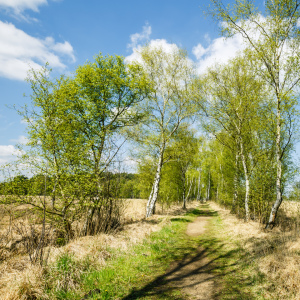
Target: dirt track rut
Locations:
point(193, 274)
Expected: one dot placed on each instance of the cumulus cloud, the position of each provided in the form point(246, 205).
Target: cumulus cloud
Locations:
point(130, 164)
point(18, 6)
point(8, 153)
point(20, 140)
point(220, 50)
point(142, 37)
point(20, 51)
point(61, 48)
point(138, 41)
point(158, 43)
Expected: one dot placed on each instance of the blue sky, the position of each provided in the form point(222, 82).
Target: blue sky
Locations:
point(67, 33)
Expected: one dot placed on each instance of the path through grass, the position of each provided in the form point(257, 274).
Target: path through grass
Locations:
point(125, 272)
point(143, 271)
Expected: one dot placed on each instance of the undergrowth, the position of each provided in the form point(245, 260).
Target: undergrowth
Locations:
point(237, 269)
point(139, 272)
point(130, 274)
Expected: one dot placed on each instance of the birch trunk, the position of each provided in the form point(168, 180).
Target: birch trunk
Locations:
point(154, 193)
point(208, 188)
point(246, 173)
point(183, 192)
point(188, 194)
point(199, 187)
point(235, 182)
point(278, 201)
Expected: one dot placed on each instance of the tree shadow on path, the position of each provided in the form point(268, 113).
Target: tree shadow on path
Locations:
point(195, 275)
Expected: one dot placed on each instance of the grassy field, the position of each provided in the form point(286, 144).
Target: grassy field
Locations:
point(254, 263)
point(74, 268)
point(246, 261)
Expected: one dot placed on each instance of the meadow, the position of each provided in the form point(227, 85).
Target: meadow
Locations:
point(249, 262)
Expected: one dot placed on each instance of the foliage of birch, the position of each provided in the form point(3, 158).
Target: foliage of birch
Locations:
point(273, 38)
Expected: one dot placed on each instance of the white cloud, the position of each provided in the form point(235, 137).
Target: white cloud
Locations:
point(199, 51)
point(142, 37)
point(159, 43)
point(207, 37)
point(138, 41)
point(62, 48)
point(130, 164)
point(8, 153)
point(20, 51)
point(219, 51)
point(20, 140)
point(18, 6)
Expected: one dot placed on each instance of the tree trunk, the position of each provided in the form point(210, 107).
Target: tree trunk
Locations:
point(155, 188)
point(199, 186)
point(235, 182)
point(195, 189)
point(246, 173)
point(208, 188)
point(278, 201)
point(53, 195)
point(187, 196)
point(184, 188)
point(88, 221)
point(222, 183)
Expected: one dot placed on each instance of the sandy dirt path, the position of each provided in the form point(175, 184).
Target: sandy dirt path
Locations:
point(192, 275)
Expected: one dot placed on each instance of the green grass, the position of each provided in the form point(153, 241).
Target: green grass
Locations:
point(138, 273)
point(236, 271)
point(134, 274)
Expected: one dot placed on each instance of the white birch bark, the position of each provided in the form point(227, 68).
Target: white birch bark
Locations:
point(278, 201)
point(184, 188)
point(185, 198)
point(155, 188)
point(235, 182)
point(247, 183)
point(208, 188)
point(199, 186)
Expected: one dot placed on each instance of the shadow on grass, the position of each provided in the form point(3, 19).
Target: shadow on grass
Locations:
point(189, 272)
point(212, 264)
point(195, 213)
point(202, 212)
point(183, 220)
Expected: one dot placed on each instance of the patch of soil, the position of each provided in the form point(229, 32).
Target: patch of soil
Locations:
point(193, 275)
point(198, 227)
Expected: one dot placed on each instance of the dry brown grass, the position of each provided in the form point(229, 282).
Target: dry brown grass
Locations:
point(291, 208)
point(134, 209)
point(276, 251)
point(136, 229)
point(20, 280)
point(28, 283)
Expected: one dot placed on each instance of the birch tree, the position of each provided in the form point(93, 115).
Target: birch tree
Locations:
point(73, 123)
point(183, 154)
point(170, 73)
point(274, 40)
point(236, 105)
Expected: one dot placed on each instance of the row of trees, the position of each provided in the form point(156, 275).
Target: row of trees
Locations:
point(246, 108)
point(249, 105)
